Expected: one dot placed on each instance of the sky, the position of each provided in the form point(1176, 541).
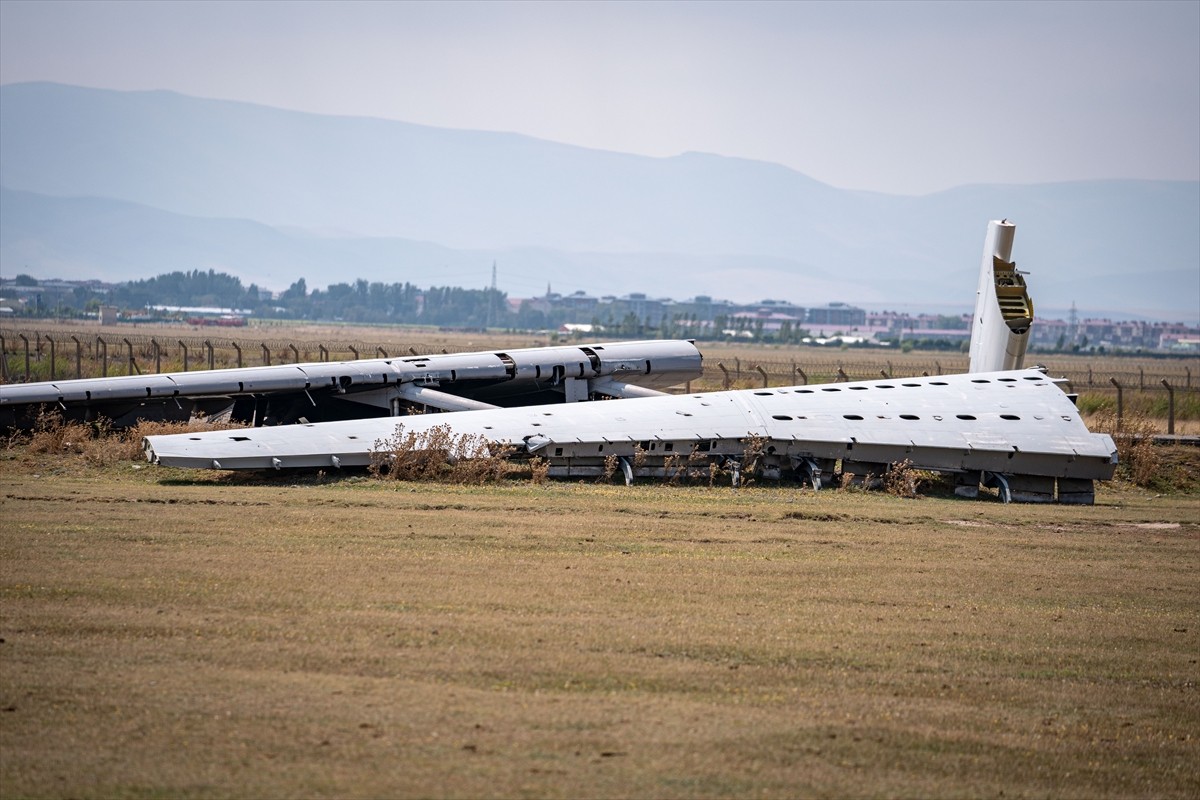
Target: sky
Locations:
point(897, 97)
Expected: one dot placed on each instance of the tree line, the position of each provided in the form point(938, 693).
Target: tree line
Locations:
point(375, 302)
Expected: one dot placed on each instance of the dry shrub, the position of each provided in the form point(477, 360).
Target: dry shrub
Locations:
point(847, 482)
point(639, 457)
point(752, 453)
point(101, 444)
point(672, 471)
point(1139, 461)
point(678, 469)
point(481, 462)
point(539, 469)
point(901, 479)
point(611, 462)
point(438, 454)
point(697, 466)
point(54, 435)
point(715, 471)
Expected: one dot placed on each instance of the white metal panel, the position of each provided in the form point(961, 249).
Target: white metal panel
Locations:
point(957, 422)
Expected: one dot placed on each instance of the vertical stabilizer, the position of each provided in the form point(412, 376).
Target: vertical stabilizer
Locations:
point(1003, 308)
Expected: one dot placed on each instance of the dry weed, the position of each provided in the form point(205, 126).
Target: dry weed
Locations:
point(639, 457)
point(52, 434)
point(901, 479)
point(1139, 461)
point(97, 442)
point(539, 469)
point(752, 454)
point(672, 471)
point(714, 473)
point(696, 466)
point(611, 462)
point(482, 462)
point(438, 454)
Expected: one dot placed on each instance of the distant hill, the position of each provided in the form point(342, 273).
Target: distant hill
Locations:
point(124, 185)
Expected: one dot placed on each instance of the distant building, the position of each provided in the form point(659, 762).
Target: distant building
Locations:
point(836, 315)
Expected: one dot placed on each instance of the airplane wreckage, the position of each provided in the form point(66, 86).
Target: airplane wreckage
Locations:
point(374, 387)
point(998, 425)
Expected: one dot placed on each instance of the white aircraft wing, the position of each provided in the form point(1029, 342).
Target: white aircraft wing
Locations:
point(369, 387)
point(1018, 425)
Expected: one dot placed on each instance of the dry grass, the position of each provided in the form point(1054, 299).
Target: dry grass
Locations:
point(97, 443)
point(1139, 459)
point(181, 634)
point(439, 454)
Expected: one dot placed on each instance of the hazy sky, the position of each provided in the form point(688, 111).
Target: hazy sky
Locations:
point(896, 97)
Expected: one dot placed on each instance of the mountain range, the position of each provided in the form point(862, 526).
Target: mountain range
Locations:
point(124, 185)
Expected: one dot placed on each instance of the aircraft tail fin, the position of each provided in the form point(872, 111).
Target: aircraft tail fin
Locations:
point(1003, 307)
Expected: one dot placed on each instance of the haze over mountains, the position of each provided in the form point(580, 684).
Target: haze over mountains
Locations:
point(125, 185)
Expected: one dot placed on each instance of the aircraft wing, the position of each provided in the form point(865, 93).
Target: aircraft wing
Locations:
point(368, 387)
point(1018, 425)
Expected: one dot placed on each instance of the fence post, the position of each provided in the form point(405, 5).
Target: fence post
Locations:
point(183, 347)
point(938, 364)
point(78, 357)
point(379, 351)
point(737, 368)
point(238, 347)
point(266, 355)
point(1141, 379)
point(890, 371)
point(842, 376)
point(763, 372)
point(1120, 401)
point(131, 366)
point(3, 361)
point(803, 376)
point(725, 372)
point(157, 357)
point(324, 352)
point(103, 346)
point(1170, 407)
point(26, 341)
point(1089, 374)
point(352, 350)
point(51, 341)
point(211, 361)
point(295, 353)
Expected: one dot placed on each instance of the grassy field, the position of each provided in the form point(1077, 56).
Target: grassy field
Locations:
point(180, 634)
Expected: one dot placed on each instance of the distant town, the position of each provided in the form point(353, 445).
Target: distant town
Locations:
point(208, 298)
